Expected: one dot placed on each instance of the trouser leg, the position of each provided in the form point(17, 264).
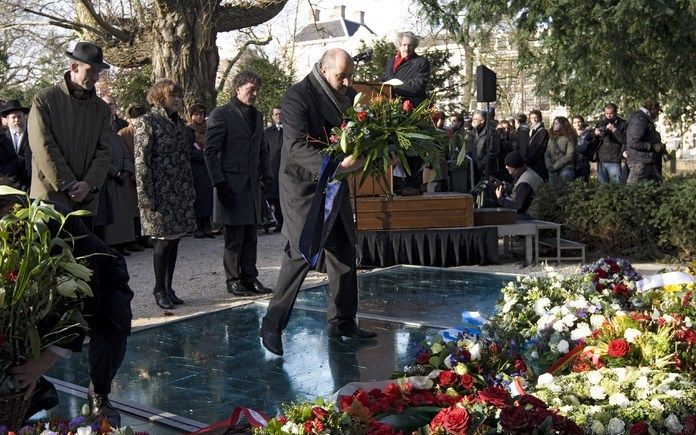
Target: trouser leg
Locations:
point(234, 236)
point(293, 271)
point(247, 257)
point(343, 279)
point(106, 353)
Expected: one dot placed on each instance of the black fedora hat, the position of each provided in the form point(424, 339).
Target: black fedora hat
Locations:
point(12, 106)
point(88, 53)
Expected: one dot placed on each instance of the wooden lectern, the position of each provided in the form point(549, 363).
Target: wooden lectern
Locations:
point(370, 187)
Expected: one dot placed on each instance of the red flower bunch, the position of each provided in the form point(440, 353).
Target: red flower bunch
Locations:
point(361, 116)
point(454, 420)
point(618, 348)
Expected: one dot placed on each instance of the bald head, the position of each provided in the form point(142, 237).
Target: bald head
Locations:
point(337, 67)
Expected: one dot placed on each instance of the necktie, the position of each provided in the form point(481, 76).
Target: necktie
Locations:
point(16, 142)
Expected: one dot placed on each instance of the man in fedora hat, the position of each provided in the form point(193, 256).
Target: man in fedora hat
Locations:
point(15, 159)
point(69, 128)
point(69, 136)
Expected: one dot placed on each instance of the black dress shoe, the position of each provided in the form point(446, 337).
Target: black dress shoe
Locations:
point(351, 331)
point(176, 300)
point(256, 286)
point(163, 300)
point(99, 405)
point(134, 247)
point(44, 397)
point(272, 341)
point(238, 289)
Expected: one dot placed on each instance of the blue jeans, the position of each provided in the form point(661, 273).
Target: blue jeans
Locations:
point(607, 172)
point(558, 177)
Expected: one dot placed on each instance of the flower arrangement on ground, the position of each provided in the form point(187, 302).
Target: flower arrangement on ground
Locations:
point(623, 400)
point(41, 285)
point(384, 131)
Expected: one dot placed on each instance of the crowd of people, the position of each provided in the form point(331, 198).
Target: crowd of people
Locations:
point(156, 177)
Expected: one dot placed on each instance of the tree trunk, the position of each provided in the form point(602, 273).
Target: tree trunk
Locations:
point(185, 50)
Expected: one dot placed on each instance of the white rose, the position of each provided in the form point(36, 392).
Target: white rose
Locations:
point(597, 392)
point(475, 352)
point(631, 334)
point(620, 373)
point(596, 320)
point(642, 382)
point(619, 399)
point(562, 346)
point(598, 428)
point(687, 321)
point(85, 430)
point(594, 377)
point(540, 306)
point(672, 423)
point(616, 427)
point(545, 379)
point(421, 382)
point(657, 405)
point(581, 331)
point(558, 326)
point(545, 321)
point(569, 319)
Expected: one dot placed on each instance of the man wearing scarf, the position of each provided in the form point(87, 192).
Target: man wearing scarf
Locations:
point(311, 108)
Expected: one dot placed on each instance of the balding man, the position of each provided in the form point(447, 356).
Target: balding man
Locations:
point(311, 108)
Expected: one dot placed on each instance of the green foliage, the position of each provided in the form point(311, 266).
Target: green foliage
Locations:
point(275, 81)
point(642, 220)
point(584, 54)
point(130, 85)
point(440, 85)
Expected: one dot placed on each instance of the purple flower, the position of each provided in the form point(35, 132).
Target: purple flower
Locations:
point(76, 422)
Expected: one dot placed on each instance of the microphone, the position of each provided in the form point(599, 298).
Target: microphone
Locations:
point(365, 55)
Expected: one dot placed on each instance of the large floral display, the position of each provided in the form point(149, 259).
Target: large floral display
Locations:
point(602, 351)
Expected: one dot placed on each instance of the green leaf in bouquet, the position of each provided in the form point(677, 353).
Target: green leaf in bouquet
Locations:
point(7, 190)
point(34, 341)
point(358, 98)
point(344, 141)
point(2, 298)
point(78, 270)
point(418, 136)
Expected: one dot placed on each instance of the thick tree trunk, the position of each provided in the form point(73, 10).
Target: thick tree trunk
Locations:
point(185, 50)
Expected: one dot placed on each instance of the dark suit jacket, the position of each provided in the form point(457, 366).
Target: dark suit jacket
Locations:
point(237, 155)
point(308, 116)
point(536, 150)
point(274, 142)
point(13, 164)
point(414, 72)
point(640, 137)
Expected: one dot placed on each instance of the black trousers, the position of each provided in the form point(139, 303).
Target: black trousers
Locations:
point(106, 353)
point(239, 258)
point(339, 255)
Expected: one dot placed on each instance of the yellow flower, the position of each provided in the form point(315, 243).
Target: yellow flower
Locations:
point(672, 288)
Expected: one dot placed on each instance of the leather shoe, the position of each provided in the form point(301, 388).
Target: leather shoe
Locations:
point(176, 300)
point(256, 286)
point(351, 331)
point(99, 405)
point(162, 300)
point(238, 289)
point(272, 341)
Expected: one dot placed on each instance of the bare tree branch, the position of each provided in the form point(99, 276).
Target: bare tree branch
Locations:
point(113, 31)
point(67, 24)
point(239, 16)
point(231, 62)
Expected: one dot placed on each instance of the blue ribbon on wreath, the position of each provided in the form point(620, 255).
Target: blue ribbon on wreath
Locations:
point(327, 197)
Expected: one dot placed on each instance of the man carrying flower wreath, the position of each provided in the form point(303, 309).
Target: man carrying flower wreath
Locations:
point(311, 108)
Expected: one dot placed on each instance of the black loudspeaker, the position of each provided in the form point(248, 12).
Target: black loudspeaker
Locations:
point(485, 84)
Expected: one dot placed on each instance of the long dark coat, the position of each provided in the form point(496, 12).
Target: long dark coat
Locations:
point(414, 72)
point(274, 140)
point(12, 164)
point(640, 137)
point(163, 174)
point(237, 155)
point(201, 178)
point(536, 150)
point(307, 114)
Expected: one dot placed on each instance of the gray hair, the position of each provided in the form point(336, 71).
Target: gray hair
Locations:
point(244, 77)
point(410, 35)
point(481, 113)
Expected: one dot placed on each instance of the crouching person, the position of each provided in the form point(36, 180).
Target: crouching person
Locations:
point(526, 185)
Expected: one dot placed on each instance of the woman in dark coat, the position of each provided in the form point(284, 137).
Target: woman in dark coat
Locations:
point(201, 179)
point(536, 150)
point(164, 182)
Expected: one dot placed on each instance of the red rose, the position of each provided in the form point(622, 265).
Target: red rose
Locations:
point(422, 358)
point(520, 366)
point(618, 348)
point(446, 378)
point(393, 392)
point(690, 425)
point(334, 139)
point(613, 267)
point(495, 396)
point(319, 413)
point(467, 381)
point(407, 106)
point(345, 402)
point(282, 419)
point(601, 273)
point(620, 289)
point(688, 336)
point(599, 287)
point(378, 428)
point(453, 420)
point(494, 348)
point(535, 402)
point(361, 116)
point(361, 396)
point(515, 419)
point(640, 428)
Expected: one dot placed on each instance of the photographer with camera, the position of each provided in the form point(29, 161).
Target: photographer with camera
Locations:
point(526, 185)
point(611, 143)
point(643, 143)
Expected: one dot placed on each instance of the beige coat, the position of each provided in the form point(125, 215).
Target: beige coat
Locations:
point(69, 142)
point(559, 153)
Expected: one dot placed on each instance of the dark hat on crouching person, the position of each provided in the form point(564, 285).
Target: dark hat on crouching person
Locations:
point(514, 159)
point(12, 106)
point(88, 53)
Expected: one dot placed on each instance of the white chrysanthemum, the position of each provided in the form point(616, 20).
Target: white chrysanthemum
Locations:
point(643, 383)
point(631, 334)
point(292, 428)
point(559, 326)
point(597, 392)
point(475, 352)
point(562, 346)
point(657, 405)
point(620, 373)
point(545, 321)
point(594, 409)
point(672, 423)
point(545, 379)
point(540, 306)
point(616, 426)
point(555, 388)
point(569, 319)
point(596, 320)
point(581, 331)
point(84, 430)
point(594, 377)
point(598, 428)
point(508, 305)
point(619, 399)
point(579, 303)
point(674, 393)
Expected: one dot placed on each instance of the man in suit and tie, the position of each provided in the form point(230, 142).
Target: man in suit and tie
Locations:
point(237, 161)
point(15, 155)
point(274, 141)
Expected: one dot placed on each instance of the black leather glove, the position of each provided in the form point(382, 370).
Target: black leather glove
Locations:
point(224, 194)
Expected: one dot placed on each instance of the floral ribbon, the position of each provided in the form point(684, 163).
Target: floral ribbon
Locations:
point(663, 280)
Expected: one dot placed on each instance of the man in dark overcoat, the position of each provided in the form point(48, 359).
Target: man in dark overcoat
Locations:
point(274, 142)
point(643, 142)
point(15, 155)
point(311, 108)
point(237, 160)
